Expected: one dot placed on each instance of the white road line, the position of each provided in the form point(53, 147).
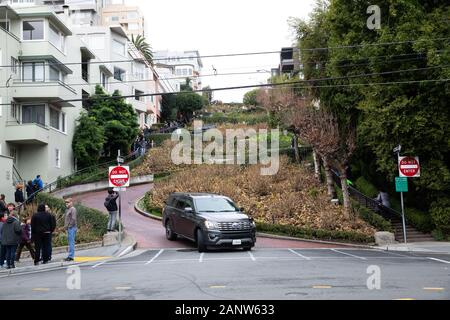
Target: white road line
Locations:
point(299, 254)
point(439, 260)
point(201, 257)
point(251, 256)
point(156, 256)
point(98, 264)
point(348, 254)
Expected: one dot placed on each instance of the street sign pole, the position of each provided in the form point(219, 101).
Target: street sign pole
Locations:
point(120, 204)
point(401, 197)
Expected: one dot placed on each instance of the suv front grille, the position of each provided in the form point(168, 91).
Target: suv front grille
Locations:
point(233, 226)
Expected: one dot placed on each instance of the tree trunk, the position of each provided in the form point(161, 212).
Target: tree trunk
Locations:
point(345, 193)
point(316, 165)
point(296, 152)
point(330, 181)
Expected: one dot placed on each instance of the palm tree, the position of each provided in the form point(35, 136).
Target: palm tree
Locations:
point(142, 45)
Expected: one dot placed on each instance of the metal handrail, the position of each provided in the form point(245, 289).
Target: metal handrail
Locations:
point(48, 186)
point(369, 203)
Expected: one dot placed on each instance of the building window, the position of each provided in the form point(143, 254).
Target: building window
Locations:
point(132, 15)
point(56, 38)
point(33, 71)
point(4, 24)
point(14, 65)
point(133, 26)
point(54, 74)
point(33, 30)
point(63, 122)
point(13, 154)
point(33, 114)
point(138, 95)
point(119, 74)
point(54, 119)
point(15, 111)
point(114, 18)
point(58, 158)
point(119, 48)
point(104, 80)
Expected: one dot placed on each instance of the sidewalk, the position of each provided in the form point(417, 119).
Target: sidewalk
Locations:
point(26, 265)
point(429, 246)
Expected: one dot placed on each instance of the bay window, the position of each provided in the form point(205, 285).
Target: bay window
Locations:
point(33, 114)
point(33, 30)
point(33, 71)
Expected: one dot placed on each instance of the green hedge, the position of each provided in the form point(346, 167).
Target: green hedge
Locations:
point(372, 218)
point(158, 138)
point(440, 213)
point(366, 187)
point(317, 234)
point(147, 206)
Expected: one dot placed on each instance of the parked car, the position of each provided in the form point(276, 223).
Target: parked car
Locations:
point(210, 220)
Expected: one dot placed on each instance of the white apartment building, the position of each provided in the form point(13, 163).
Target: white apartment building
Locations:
point(187, 64)
point(46, 59)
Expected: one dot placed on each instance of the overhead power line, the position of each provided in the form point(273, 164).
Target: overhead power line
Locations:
point(286, 85)
point(244, 53)
point(362, 75)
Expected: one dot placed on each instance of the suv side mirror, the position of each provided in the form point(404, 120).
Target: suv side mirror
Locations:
point(241, 209)
point(188, 210)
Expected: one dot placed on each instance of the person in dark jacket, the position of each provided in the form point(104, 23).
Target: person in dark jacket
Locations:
point(111, 206)
point(19, 198)
point(26, 240)
point(42, 226)
point(3, 208)
point(2, 252)
point(11, 237)
point(30, 191)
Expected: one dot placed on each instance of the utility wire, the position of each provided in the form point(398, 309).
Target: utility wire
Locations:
point(287, 85)
point(308, 80)
point(245, 53)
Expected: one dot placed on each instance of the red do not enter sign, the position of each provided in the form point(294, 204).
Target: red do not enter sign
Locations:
point(409, 167)
point(119, 176)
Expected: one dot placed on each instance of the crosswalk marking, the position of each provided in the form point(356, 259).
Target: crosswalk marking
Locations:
point(156, 256)
point(299, 254)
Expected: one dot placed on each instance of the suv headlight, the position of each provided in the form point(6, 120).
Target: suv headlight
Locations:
point(252, 223)
point(211, 225)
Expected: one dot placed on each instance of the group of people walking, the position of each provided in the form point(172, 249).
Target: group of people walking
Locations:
point(34, 233)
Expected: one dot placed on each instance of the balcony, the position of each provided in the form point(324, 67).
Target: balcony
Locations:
point(41, 49)
point(138, 105)
point(27, 133)
point(43, 91)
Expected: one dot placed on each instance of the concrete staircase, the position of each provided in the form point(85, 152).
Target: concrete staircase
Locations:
point(412, 235)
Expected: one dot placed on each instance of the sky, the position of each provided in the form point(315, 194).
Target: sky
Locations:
point(222, 27)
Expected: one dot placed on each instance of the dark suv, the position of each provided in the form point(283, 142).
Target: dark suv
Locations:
point(209, 220)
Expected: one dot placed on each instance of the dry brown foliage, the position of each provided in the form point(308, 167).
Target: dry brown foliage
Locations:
point(293, 196)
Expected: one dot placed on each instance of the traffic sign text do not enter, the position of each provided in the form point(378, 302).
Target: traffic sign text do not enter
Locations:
point(119, 176)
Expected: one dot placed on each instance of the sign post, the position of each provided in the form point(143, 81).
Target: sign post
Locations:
point(119, 179)
point(408, 167)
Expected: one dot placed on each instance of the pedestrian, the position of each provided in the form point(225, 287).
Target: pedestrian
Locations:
point(3, 207)
point(30, 191)
point(70, 225)
point(26, 240)
point(50, 248)
point(383, 198)
point(43, 224)
point(111, 206)
point(11, 237)
point(38, 184)
point(19, 198)
point(2, 252)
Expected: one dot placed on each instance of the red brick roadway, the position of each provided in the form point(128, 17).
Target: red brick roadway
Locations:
point(150, 233)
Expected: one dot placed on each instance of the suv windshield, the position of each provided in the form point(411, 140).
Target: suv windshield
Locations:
point(215, 205)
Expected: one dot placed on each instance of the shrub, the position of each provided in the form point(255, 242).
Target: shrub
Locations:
point(374, 219)
point(307, 233)
point(366, 187)
point(440, 214)
point(158, 138)
point(422, 221)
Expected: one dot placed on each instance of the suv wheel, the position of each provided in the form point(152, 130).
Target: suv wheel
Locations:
point(170, 235)
point(200, 241)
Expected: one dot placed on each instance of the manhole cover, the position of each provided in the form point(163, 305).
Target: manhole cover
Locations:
point(186, 250)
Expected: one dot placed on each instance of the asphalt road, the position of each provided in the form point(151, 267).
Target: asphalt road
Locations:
point(278, 274)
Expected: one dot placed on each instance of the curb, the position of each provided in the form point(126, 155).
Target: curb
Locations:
point(265, 235)
point(82, 246)
point(144, 213)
